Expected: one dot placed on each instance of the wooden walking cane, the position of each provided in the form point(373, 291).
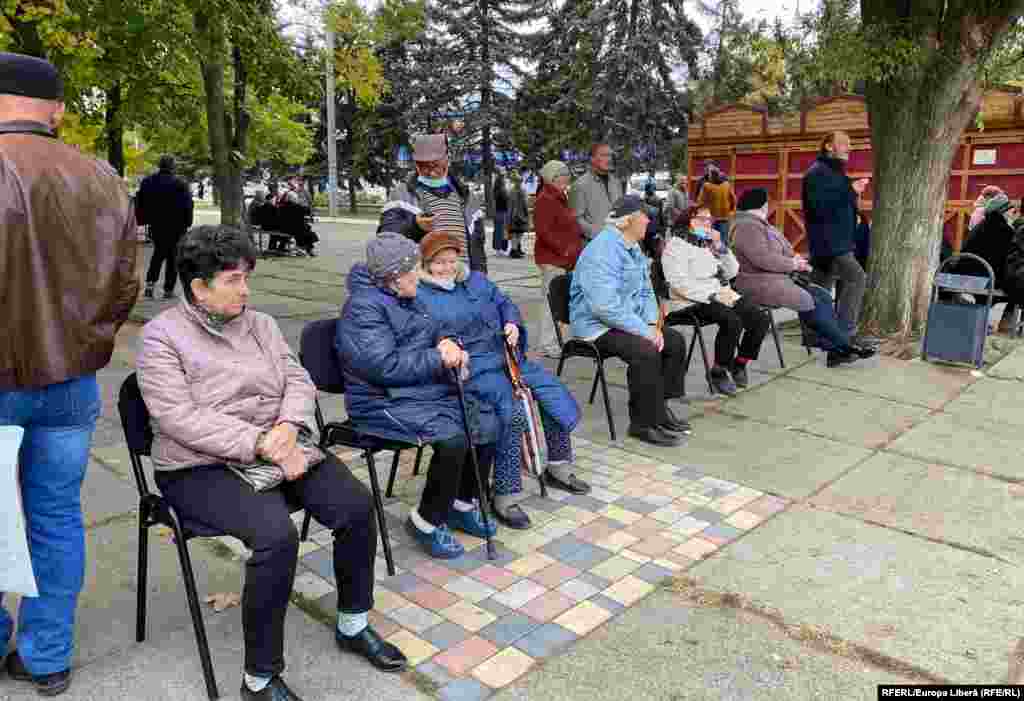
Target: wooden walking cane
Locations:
point(532, 450)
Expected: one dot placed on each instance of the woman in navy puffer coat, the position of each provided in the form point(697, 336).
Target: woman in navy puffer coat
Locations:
point(398, 386)
point(472, 309)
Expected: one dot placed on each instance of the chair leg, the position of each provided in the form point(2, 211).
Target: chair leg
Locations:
point(704, 357)
point(141, 581)
point(197, 615)
point(607, 401)
point(394, 471)
point(305, 526)
point(775, 336)
point(689, 352)
point(593, 388)
point(378, 504)
point(416, 465)
point(561, 364)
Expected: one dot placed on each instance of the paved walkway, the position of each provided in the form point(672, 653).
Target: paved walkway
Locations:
point(822, 532)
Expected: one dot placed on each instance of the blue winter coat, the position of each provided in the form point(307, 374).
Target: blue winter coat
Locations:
point(395, 384)
point(475, 312)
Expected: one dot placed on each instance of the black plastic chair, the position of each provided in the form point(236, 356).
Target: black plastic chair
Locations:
point(558, 303)
point(685, 317)
point(318, 356)
point(155, 511)
point(770, 311)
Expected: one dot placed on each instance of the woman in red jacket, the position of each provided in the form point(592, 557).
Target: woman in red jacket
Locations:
point(559, 240)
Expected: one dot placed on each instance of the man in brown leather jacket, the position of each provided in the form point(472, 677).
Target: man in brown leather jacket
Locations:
point(67, 283)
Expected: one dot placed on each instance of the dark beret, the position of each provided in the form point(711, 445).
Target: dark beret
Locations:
point(28, 76)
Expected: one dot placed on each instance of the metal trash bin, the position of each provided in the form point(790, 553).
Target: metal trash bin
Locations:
point(955, 331)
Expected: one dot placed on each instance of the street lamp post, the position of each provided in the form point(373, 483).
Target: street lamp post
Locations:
point(332, 133)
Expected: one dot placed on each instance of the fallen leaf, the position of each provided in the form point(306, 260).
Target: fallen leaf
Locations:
point(223, 600)
point(165, 532)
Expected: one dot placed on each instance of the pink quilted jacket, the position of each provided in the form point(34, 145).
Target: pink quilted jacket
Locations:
point(211, 394)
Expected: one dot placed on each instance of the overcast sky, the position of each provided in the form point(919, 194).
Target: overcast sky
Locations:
point(761, 9)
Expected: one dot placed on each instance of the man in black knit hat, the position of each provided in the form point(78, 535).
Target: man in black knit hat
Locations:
point(67, 278)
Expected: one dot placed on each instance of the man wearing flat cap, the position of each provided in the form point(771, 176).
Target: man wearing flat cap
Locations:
point(435, 200)
point(68, 281)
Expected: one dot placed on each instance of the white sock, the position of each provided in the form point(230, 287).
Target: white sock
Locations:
point(350, 624)
point(420, 522)
point(256, 684)
point(464, 506)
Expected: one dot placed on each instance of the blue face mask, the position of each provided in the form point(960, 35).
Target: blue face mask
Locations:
point(701, 233)
point(432, 182)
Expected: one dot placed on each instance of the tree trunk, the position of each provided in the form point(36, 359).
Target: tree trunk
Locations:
point(114, 128)
point(211, 41)
point(231, 204)
point(353, 206)
point(916, 126)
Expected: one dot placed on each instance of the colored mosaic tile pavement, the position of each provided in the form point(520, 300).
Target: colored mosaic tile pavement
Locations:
point(474, 625)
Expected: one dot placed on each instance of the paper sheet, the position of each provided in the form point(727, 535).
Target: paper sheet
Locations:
point(15, 565)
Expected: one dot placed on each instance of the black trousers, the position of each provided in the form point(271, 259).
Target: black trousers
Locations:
point(165, 250)
point(652, 377)
point(744, 319)
point(215, 497)
point(450, 476)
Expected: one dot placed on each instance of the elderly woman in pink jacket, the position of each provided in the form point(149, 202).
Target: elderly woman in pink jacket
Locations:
point(232, 413)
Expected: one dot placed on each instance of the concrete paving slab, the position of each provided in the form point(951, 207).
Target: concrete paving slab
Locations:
point(951, 440)
point(907, 598)
point(105, 620)
point(945, 503)
point(850, 417)
point(990, 400)
point(767, 458)
point(910, 382)
point(106, 495)
point(300, 289)
point(669, 650)
point(1011, 367)
point(167, 667)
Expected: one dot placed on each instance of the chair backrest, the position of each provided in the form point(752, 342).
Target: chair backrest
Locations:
point(558, 298)
point(134, 417)
point(558, 302)
point(318, 356)
point(138, 430)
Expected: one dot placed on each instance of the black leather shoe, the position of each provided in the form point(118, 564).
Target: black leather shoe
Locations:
point(655, 436)
point(46, 684)
point(674, 424)
point(381, 654)
point(837, 358)
point(574, 485)
point(513, 517)
point(276, 690)
point(864, 351)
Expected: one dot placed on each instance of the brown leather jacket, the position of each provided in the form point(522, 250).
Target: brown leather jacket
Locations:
point(67, 259)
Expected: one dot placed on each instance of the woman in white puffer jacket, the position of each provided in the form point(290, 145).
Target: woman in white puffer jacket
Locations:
point(698, 269)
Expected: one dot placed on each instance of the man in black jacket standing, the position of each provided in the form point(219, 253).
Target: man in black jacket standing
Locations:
point(830, 212)
point(164, 203)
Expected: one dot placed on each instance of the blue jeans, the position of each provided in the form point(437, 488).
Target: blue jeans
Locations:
point(498, 240)
point(59, 421)
point(831, 335)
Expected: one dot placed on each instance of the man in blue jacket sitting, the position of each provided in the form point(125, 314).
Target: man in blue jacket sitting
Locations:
point(830, 213)
point(612, 304)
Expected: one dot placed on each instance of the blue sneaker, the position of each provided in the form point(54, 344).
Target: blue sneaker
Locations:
point(440, 544)
point(471, 522)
